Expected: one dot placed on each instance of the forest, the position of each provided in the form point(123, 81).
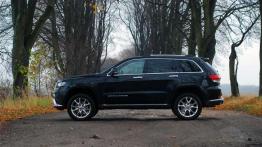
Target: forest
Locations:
point(43, 42)
point(46, 40)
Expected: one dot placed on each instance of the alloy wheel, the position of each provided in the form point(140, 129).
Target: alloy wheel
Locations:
point(81, 107)
point(187, 106)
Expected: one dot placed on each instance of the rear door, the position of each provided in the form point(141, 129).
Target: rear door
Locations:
point(164, 75)
point(161, 78)
point(189, 72)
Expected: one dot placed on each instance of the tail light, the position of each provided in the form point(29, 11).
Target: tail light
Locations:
point(215, 78)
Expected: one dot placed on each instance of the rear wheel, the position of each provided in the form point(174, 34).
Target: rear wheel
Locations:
point(81, 107)
point(94, 114)
point(187, 106)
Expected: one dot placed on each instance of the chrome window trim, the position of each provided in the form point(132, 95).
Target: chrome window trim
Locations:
point(115, 95)
point(157, 73)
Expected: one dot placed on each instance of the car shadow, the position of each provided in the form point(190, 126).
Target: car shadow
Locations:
point(123, 119)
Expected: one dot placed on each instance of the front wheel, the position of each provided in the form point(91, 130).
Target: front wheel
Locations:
point(81, 107)
point(187, 106)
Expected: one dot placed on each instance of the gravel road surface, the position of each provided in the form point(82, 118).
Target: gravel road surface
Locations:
point(130, 128)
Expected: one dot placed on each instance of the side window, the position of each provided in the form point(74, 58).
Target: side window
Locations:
point(132, 67)
point(185, 66)
point(158, 66)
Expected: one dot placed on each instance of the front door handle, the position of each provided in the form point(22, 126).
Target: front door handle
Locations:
point(138, 77)
point(173, 76)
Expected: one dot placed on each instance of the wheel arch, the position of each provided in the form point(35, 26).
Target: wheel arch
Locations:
point(77, 90)
point(194, 89)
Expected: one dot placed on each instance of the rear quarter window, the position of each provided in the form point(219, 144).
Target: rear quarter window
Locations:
point(215, 71)
point(210, 69)
point(186, 66)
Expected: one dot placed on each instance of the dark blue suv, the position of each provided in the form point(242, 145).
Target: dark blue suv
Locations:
point(184, 84)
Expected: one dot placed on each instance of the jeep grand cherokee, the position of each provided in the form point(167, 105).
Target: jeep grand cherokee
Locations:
point(184, 84)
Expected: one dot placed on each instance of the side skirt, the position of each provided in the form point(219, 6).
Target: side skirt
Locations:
point(135, 106)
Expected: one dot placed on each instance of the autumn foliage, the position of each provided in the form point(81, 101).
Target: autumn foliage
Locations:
point(16, 109)
point(250, 105)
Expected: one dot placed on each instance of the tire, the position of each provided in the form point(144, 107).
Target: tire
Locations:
point(187, 106)
point(81, 107)
point(94, 114)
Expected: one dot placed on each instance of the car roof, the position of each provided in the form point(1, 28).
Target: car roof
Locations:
point(165, 56)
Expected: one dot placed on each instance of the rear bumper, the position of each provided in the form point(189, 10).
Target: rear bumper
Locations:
point(215, 102)
point(57, 106)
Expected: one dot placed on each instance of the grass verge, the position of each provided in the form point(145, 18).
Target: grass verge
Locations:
point(250, 105)
point(16, 109)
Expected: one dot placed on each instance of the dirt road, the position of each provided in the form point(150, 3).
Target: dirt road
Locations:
point(152, 128)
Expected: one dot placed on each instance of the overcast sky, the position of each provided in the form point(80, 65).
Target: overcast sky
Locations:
point(248, 72)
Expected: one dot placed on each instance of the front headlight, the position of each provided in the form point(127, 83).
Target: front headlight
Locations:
point(60, 84)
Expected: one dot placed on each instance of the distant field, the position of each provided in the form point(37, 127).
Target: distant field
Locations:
point(248, 104)
point(15, 109)
point(245, 90)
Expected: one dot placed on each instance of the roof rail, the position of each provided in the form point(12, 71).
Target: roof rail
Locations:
point(166, 55)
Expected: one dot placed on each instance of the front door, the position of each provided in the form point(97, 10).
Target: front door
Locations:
point(128, 85)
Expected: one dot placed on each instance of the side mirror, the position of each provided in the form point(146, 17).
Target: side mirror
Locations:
point(114, 72)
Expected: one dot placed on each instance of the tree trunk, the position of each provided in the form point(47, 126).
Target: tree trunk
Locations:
point(25, 35)
point(197, 24)
point(233, 72)
point(178, 27)
point(85, 34)
point(205, 38)
point(260, 54)
point(208, 49)
point(19, 60)
point(233, 66)
point(58, 61)
point(192, 38)
point(79, 23)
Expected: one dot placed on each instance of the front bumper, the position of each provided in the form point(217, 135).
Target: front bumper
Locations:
point(214, 102)
point(59, 97)
point(57, 106)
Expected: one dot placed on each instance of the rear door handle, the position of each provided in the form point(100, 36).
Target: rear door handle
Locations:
point(173, 76)
point(138, 77)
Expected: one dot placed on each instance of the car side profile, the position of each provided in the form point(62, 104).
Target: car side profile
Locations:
point(184, 84)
